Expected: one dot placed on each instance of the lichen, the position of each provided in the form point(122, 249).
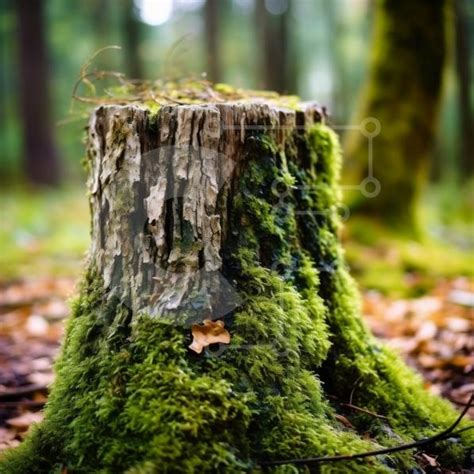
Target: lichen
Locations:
point(130, 397)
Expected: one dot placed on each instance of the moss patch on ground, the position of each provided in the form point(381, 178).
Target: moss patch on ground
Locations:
point(43, 232)
point(397, 265)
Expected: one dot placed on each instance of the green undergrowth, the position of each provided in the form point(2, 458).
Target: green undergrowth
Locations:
point(131, 397)
point(398, 265)
point(42, 232)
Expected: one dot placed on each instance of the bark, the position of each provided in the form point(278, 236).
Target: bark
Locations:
point(403, 94)
point(41, 162)
point(222, 212)
point(177, 194)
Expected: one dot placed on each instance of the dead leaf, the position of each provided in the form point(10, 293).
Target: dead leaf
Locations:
point(7, 439)
point(41, 378)
point(461, 361)
point(207, 333)
point(458, 324)
point(23, 422)
point(344, 421)
point(462, 298)
point(37, 325)
point(430, 460)
point(426, 331)
point(6, 435)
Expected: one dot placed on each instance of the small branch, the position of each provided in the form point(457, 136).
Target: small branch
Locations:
point(363, 410)
point(458, 402)
point(353, 389)
point(462, 430)
point(402, 447)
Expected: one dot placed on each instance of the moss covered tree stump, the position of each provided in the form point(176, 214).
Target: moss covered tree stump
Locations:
point(222, 216)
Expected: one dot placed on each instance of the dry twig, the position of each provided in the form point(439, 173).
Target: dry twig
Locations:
point(402, 447)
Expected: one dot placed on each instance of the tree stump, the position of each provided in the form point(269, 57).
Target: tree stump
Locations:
point(219, 222)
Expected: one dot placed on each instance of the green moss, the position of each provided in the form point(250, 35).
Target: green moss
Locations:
point(153, 95)
point(44, 232)
point(381, 259)
point(130, 397)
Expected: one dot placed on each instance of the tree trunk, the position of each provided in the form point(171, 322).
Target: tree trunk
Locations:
point(463, 68)
point(40, 156)
point(220, 217)
point(279, 70)
point(131, 32)
point(402, 94)
point(211, 13)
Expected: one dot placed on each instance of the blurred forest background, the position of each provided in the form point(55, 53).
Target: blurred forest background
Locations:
point(407, 63)
point(318, 49)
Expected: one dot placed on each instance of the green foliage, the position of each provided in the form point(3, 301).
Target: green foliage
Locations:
point(130, 397)
point(382, 260)
point(43, 232)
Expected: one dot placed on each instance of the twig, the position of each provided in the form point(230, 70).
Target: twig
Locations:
point(457, 402)
point(462, 430)
point(353, 389)
point(402, 447)
point(363, 410)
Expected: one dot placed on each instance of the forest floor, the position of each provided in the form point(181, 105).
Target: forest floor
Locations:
point(415, 298)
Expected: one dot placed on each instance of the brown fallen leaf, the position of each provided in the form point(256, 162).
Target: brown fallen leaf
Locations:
point(41, 378)
point(207, 333)
point(6, 436)
point(7, 439)
point(342, 419)
point(23, 422)
point(462, 361)
point(430, 460)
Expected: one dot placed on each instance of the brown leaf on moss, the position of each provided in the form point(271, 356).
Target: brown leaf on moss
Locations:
point(207, 333)
point(342, 419)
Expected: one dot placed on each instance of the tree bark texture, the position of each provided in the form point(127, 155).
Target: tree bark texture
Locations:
point(227, 214)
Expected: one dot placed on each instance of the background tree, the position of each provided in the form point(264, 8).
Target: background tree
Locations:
point(464, 76)
point(403, 94)
point(211, 15)
point(131, 41)
point(272, 22)
point(40, 157)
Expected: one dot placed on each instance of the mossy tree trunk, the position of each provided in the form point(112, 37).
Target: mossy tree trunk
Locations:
point(223, 212)
point(403, 93)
